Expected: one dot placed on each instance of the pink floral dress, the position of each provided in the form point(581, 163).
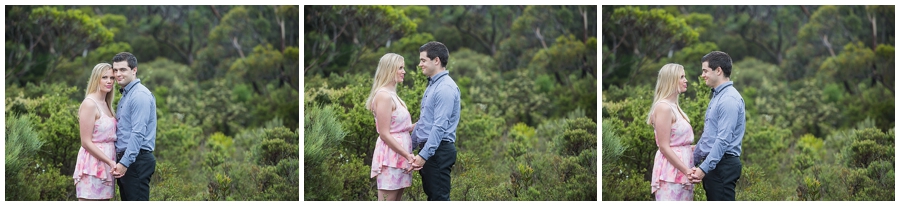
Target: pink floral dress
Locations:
point(387, 165)
point(668, 183)
point(93, 178)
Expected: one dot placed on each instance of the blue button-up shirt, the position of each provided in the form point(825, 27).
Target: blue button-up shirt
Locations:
point(723, 129)
point(439, 114)
point(136, 128)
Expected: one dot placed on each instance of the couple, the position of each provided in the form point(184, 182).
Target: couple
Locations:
point(435, 132)
point(717, 153)
point(128, 136)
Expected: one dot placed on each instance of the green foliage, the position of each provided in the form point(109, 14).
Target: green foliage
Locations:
point(612, 144)
point(322, 132)
point(650, 33)
point(630, 185)
point(66, 33)
point(850, 66)
point(168, 185)
point(579, 136)
point(277, 144)
point(21, 144)
point(871, 145)
point(873, 102)
point(566, 49)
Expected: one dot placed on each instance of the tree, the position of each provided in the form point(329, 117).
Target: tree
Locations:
point(55, 35)
point(650, 34)
point(367, 27)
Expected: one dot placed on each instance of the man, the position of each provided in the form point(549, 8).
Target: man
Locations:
point(135, 131)
point(435, 132)
point(719, 149)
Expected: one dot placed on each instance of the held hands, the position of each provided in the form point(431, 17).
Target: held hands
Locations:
point(689, 175)
point(410, 159)
point(697, 175)
point(418, 162)
point(115, 172)
point(119, 171)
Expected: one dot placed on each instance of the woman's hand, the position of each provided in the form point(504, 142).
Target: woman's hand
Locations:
point(113, 169)
point(410, 158)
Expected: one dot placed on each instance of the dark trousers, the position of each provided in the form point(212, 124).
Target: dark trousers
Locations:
point(135, 185)
point(436, 172)
point(720, 182)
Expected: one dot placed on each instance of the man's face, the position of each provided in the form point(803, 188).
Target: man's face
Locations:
point(429, 66)
point(710, 76)
point(123, 73)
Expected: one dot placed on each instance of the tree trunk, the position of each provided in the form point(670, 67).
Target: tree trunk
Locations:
point(537, 32)
point(828, 45)
point(237, 46)
point(216, 12)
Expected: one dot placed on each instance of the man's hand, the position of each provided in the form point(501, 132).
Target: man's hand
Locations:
point(121, 170)
point(698, 175)
point(418, 162)
point(113, 170)
point(689, 175)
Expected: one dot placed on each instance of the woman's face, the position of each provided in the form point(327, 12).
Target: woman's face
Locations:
point(401, 72)
point(682, 82)
point(106, 81)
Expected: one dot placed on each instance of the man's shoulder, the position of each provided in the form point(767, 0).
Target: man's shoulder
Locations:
point(448, 82)
point(733, 93)
point(140, 88)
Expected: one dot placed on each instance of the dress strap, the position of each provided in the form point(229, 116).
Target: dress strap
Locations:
point(674, 109)
point(393, 96)
point(98, 106)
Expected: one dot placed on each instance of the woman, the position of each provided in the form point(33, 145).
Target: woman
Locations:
point(97, 123)
point(671, 178)
point(393, 149)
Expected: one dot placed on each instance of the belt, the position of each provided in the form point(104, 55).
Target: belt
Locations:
point(697, 164)
point(143, 151)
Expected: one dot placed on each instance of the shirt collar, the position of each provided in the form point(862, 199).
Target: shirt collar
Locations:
point(437, 76)
point(721, 87)
point(129, 86)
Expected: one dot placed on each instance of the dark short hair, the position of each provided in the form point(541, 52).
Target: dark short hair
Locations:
point(718, 59)
point(436, 49)
point(125, 56)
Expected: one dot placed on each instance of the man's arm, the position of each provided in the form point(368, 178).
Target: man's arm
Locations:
point(729, 112)
point(443, 108)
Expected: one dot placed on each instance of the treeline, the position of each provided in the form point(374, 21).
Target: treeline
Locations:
point(527, 77)
point(225, 79)
point(817, 81)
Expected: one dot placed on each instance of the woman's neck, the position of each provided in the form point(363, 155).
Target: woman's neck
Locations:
point(98, 96)
point(672, 98)
point(391, 87)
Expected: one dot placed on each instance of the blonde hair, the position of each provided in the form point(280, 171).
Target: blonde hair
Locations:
point(93, 84)
point(385, 74)
point(666, 85)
